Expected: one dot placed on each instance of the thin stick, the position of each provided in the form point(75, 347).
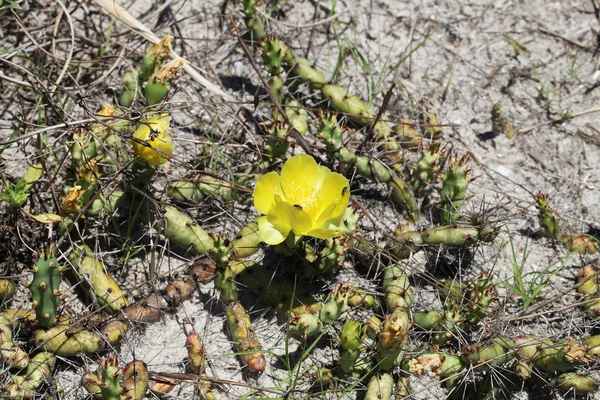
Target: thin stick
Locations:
point(114, 9)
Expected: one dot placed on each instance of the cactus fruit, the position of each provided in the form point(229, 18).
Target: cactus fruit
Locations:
point(11, 353)
point(44, 290)
point(157, 86)
point(244, 337)
point(107, 292)
point(353, 106)
point(154, 57)
point(7, 291)
point(380, 387)
point(454, 188)
point(426, 168)
point(304, 70)
point(131, 89)
point(581, 244)
point(114, 330)
point(275, 53)
point(67, 340)
point(135, 381)
point(184, 232)
point(198, 190)
point(25, 384)
point(547, 217)
point(147, 310)
point(366, 166)
point(396, 288)
point(196, 354)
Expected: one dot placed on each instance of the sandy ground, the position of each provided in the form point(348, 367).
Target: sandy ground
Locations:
point(537, 59)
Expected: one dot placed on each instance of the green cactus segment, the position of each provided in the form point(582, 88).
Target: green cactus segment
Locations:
point(430, 124)
point(297, 116)
point(578, 383)
point(408, 134)
point(11, 353)
point(330, 132)
point(67, 340)
point(396, 288)
point(244, 337)
point(587, 285)
point(246, 242)
point(406, 242)
point(335, 305)
point(25, 384)
point(453, 236)
point(306, 72)
point(198, 190)
point(454, 189)
point(225, 282)
point(275, 53)
point(107, 292)
point(380, 387)
point(196, 353)
point(276, 143)
point(351, 338)
point(135, 381)
point(450, 368)
point(366, 166)
point(110, 381)
point(499, 352)
point(426, 168)
point(276, 84)
point(547, 218)
point(331, 258)
point(592, 345)
point(581, 244)
point(91, 383)
point(305, 325)
point(131, 89)
point(499, 124)
point(184, 232)
point(280, 292)
point(44, 290)
point(255, 23)
point(7, 291)
point(392, 338)
point(404, 197)
point(353, 106)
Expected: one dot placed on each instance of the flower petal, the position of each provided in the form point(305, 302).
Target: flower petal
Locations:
point(264, 192)
point(271, 230)
point(333, 198)
point(298, 177)
point(295, 217)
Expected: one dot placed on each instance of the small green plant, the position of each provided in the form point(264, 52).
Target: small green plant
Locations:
point(528, 286)
point(17, 195)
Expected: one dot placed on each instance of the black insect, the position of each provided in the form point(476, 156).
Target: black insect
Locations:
point(344, 190)
point(298, 206)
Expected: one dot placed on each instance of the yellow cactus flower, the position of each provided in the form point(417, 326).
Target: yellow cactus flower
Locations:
point(306, 199)
point(153, 143)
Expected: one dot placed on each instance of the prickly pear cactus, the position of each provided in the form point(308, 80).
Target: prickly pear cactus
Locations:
point(44, 290)
point(454, 189)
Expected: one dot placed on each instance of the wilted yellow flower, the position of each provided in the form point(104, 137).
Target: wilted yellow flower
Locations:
point(153, 143)
point(307, 199)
